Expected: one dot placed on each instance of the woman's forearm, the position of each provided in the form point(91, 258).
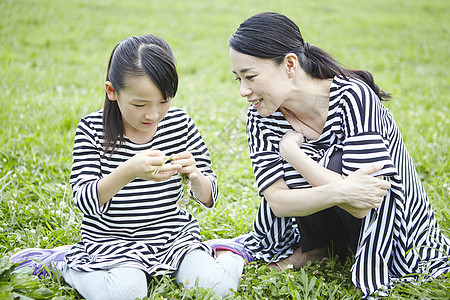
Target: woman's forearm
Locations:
point(286, 202)
point(315, 174)
point(357, 194)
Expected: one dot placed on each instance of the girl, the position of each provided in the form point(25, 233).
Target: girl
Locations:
point(134, 225)
point(306, 113)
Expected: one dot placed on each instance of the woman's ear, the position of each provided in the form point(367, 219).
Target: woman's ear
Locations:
point(291, 62)
point(110, 91)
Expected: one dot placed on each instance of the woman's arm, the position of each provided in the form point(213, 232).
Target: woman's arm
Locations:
point(319, 176)
point(358, 192)
point(315, 174)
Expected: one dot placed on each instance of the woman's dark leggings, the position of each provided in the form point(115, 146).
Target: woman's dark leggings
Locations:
point(330, 225)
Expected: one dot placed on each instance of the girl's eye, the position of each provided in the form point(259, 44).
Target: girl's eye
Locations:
point(139, 105)
point(250, 77)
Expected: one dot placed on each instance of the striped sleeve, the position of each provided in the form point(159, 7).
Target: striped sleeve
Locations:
point(86, 170)
point(366, 131)
point(198, 149)
point(364, 148)
point(263, 146)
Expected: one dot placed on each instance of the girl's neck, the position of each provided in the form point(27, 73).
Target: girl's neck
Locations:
point(139, 137)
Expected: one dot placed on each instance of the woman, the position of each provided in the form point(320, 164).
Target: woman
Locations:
point(307, 113)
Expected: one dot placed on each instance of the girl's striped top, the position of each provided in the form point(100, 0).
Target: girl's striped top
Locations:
point(143, 225)
point(397, 239)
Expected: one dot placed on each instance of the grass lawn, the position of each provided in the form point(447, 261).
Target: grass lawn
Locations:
point(53, 58)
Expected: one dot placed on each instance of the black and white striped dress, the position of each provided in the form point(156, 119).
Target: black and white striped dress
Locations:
point(399, 238)
point(143, 225)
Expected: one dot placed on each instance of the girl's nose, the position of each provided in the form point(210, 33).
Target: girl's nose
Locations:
point(151, 115)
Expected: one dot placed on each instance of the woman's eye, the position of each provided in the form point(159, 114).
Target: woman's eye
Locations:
point(249, 77)
point(139, 105)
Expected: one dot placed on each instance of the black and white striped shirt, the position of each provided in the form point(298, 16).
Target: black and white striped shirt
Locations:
point(399, 238)
point(143, 225)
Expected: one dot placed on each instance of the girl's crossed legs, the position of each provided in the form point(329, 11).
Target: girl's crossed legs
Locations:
point(220, 274)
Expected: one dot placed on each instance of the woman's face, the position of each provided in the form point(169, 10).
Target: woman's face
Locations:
point(262, 82)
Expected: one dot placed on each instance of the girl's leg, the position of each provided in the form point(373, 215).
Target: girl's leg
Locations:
point(118, 283)
point(219, 274)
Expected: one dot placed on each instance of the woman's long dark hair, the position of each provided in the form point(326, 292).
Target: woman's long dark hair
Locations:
point(272, 35)
point(147, 55)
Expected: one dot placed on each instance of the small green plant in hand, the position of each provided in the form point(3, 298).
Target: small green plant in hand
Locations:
point(185, 182)
point(158, 169)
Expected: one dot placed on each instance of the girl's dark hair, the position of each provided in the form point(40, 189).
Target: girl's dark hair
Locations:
point(147, 55)
point(272, 35)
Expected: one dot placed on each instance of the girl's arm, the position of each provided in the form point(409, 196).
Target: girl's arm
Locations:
point(200, 184)
point(355, 195)
point(141, 165)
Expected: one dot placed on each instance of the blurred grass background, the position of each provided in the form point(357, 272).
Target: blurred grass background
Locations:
point(53, 58)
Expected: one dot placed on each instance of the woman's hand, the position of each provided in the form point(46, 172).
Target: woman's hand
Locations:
point(289, 143)
point(360, 191)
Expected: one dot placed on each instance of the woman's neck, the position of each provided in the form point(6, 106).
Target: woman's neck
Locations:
point(307, 107)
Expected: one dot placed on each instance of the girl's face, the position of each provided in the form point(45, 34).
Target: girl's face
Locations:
point(142, 106)
point(265, 84)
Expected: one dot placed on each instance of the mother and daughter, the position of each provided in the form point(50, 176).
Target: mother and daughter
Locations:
point(329, 161)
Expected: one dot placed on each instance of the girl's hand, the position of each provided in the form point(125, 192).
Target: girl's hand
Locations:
point(361, 192)
point(141, 165)
point(290, 142)
point(147, 165)
point(200, 185)
point(186, 163)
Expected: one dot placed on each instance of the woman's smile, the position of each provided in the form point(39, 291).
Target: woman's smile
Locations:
point(256, 103)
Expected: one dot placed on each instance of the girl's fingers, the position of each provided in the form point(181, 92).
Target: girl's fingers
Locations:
point(182, 155)
point(161, 164)
point(166, 168)
point(153, 153)
point(185, 159)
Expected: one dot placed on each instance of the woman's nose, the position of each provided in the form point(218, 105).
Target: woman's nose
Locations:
point(245, 91)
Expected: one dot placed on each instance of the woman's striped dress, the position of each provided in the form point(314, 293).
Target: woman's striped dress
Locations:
point(399, 238)
point(142, 226)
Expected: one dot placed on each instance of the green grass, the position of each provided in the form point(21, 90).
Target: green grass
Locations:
point(53, 58)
